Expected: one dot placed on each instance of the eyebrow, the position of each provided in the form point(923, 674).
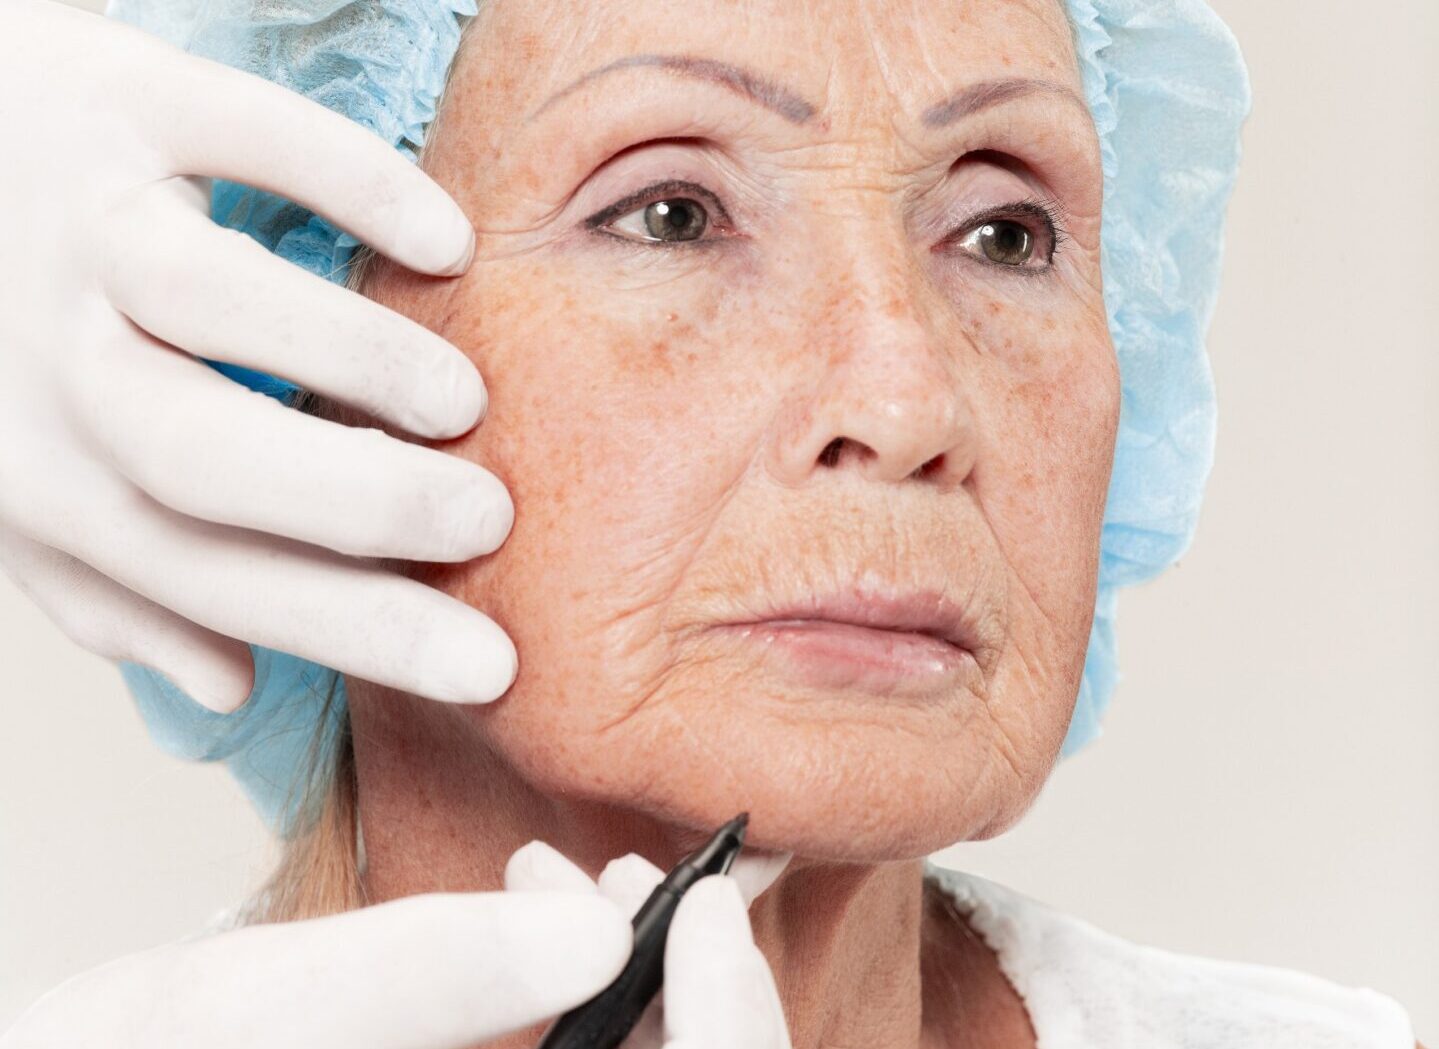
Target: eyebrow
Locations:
point(743, 81)
point(976, 97)
point(758, 88)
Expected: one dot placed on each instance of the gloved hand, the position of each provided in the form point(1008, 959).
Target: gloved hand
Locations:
point(718, 990)
point(157, 511)
point(440, 971)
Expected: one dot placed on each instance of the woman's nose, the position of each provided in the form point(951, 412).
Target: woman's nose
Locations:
point(889, 401)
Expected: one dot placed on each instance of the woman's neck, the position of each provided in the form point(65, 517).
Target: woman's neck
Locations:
point(845, 942)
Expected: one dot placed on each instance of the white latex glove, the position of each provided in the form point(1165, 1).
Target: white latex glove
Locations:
point(439, 971)
point(156, 510)
point(718, 990)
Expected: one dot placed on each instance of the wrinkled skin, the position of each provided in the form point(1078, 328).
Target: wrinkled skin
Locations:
point(666, 419)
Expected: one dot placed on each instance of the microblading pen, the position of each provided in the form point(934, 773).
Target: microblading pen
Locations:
point(604, 1020)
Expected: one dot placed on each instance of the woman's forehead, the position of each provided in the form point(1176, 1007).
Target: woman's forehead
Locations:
point(800, 59)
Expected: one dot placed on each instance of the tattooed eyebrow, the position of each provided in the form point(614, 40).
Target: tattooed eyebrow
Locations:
point(740, 79)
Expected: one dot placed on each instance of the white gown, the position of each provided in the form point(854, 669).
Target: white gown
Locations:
point(1087, 989)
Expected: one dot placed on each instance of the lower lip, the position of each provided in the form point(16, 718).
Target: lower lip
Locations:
point(844, 655)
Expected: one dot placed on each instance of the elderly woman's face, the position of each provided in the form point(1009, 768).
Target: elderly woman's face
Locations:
point(751, 342)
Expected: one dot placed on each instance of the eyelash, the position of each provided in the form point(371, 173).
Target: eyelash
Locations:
point(1042, 211)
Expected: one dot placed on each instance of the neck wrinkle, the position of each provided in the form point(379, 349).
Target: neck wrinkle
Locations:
point(843, 941)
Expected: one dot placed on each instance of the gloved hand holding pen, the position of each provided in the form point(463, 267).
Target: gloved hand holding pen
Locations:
point(718, 989)
point(438, 971)
point(151, 506)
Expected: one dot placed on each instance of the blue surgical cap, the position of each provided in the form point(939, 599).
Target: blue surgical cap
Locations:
point(1168, 90)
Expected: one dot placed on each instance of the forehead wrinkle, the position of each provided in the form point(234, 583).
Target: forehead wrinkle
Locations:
point(742, 81)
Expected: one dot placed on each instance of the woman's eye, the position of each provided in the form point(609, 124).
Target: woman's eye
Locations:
point(998, 237)
point(673, 220)
point(669, 212)
point(1002, 241)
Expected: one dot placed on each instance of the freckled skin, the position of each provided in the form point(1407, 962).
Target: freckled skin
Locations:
point(660, 418)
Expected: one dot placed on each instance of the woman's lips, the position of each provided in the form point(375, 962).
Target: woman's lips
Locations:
point(832, 654)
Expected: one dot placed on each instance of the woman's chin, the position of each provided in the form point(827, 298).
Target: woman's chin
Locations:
point(777, 828)
point(842, 802)
point(825, 771)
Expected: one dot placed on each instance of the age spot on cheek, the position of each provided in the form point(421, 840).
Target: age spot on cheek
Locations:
point(996, 327)
point(674, 344)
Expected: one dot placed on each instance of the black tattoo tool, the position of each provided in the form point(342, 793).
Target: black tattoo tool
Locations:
point(604, 1020)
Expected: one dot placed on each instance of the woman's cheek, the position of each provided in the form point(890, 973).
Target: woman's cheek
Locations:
point(1087, 418)
point(598, 426)
point(1047, 390)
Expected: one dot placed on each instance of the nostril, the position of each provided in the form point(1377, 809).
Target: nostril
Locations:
point(933, 466)
point(830, 455)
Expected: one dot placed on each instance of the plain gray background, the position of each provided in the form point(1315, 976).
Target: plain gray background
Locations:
point(1266, 789)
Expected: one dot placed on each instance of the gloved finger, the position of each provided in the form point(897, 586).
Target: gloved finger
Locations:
point(538, 866)
point(218, 294)
point(719, 992)
point(107, 619)
point(205, 118)
point(359, 619)
point(103, 617)
point(628, 881)
point(756, 871)
point(439, 971)
point(208, 447)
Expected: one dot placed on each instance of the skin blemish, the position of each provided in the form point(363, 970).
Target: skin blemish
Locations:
point(660, 356)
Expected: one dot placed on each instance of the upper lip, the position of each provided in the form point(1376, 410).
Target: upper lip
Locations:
point(917, 611)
